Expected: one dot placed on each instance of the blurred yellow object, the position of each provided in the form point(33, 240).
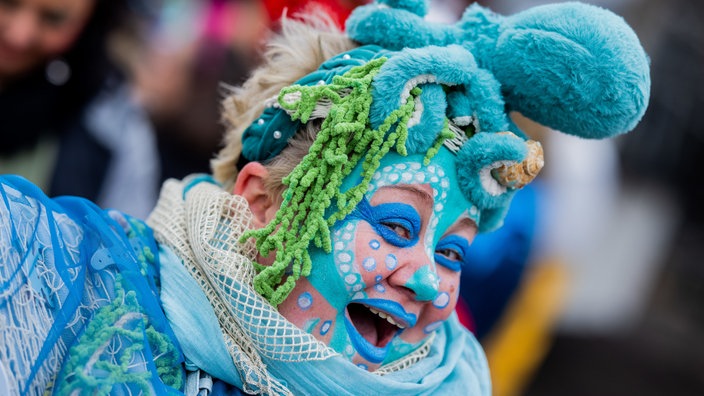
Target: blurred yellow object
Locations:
point(521, 339)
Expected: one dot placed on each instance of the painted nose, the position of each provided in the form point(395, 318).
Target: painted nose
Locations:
point(416, 272)
point(424, 282)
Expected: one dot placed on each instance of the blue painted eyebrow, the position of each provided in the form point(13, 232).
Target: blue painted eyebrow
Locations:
point(378, 216)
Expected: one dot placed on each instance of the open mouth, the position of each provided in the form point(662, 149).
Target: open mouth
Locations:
point(373, 324)
point(377, 327)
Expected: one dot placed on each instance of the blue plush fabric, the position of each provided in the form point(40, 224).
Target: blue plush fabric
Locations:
point(574, 67)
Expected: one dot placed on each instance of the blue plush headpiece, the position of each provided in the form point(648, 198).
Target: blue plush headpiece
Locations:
point(573, 67)
point(576, 68)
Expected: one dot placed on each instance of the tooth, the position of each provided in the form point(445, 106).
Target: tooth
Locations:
point(386, 316)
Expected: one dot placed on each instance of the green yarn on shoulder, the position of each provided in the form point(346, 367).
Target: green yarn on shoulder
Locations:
point(345, 139)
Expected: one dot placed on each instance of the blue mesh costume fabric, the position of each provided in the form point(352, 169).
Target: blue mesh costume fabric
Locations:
point(79, 308)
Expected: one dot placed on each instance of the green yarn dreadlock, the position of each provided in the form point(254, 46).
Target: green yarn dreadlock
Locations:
point(345, 139)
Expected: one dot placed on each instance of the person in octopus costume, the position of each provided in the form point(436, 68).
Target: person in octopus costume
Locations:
point(323, 255)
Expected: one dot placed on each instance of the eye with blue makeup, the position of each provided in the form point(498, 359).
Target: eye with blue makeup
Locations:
point(397, 223)
point(451, 252)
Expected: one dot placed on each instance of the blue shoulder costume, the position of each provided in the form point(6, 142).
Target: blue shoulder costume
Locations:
point(79, 307)
point(92, 303)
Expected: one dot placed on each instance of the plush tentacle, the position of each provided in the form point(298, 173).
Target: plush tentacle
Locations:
point(574, 67)
point(396, 25)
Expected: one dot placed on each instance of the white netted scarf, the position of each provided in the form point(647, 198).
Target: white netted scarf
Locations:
point(202, 224)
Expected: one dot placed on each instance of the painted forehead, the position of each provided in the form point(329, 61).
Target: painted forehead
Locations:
point(440, 175)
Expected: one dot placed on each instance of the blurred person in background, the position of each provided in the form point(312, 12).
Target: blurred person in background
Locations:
point(194, 49)
point(67, 119)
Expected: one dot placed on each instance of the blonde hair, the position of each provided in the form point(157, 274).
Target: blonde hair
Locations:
point(299, 49)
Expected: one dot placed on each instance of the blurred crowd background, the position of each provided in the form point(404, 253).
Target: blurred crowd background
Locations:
point(595, 285)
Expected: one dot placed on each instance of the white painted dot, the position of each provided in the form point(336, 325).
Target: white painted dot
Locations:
point(325, 327)
point(350, 279)
point(344, 257)
point(339, 245)
point(415, 166)
point(345, 268)
point(406, 176)
point(420, 177)
point(369, 264)
point(305, 300)
point(387, 169)
point(391, 261)
point(432, 327)
point(442, 300)
point(393, 177)
point(439, 207)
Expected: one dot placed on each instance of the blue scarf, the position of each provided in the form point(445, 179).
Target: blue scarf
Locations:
point(455, 364)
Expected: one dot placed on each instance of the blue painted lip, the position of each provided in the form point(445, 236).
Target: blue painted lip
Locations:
point(366, 350)
point(371, 352)
point(392, 308)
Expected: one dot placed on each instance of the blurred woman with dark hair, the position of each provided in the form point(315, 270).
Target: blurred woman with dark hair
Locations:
point(67, 121)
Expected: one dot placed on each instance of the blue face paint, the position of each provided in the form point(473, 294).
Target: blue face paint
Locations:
point(325, 327)
point(305, 300)
point(398, 223)
point(310, 325)
point(392, 307)
point(369, 246)
point(425, 283)
point(442, 300)
point(369, 264)
point(365, 349)
point(452, 252)
point(368, 351)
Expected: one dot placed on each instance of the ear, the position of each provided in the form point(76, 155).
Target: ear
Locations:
point(250, 185)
